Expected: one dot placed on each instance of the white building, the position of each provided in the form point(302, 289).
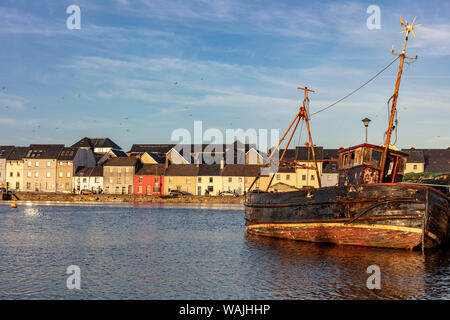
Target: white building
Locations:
point(89, 178)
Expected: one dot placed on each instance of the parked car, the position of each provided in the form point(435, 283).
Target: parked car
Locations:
point(228, 193)
point(86, 191)
point(2, 189)
point(180, 193)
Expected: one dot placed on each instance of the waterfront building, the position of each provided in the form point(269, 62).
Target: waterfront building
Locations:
point(89, 178)
point(118, 175)
point(14, 169)
point(69, 161)
point(99, 146)
point(181, 177)
point(149, 179)
point(109, 155)
point(40, 167)
point(209, 179)
point(5, 151)
point(428, 160)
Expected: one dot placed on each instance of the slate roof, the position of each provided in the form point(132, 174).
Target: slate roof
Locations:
point(44, 151)
point(209, 170)
point(96, 171)
point(121, 161)
point(5, 151)
point(87, 142)
point(151, 148)
point(182, 170)
point(241, 170)
point(18, 153)
point(151, 170)
point(435, 160)
point(67, 153)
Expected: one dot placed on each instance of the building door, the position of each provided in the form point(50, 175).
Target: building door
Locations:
point(199, 191)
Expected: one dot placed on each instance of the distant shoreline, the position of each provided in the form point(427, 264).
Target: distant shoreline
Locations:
point(121, 198)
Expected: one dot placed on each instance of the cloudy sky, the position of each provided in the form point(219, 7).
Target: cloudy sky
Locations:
point(137, 70)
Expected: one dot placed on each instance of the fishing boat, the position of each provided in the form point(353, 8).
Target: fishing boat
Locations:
point(370, 206)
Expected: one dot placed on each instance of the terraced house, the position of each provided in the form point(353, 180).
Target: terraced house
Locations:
point(69, 161)
point(5, 151)
point(40, 167)
point(118, 175)
point(14, 169)
point(181, 177)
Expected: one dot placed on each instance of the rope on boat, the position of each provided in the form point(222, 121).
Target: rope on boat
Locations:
point(364, 84)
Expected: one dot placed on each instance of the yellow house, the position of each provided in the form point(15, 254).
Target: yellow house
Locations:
point(14, 169)
point(416, 161)
point(250, 173)
point(181, 177)
point(209, 179)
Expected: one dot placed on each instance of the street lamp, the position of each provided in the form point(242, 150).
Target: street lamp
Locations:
point(366, 124)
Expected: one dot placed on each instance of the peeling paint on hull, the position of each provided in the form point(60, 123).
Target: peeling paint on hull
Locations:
point(380, 215)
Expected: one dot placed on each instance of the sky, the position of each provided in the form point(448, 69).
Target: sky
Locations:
point(135, 71)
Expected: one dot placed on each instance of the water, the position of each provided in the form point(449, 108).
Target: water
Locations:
point(193, 252)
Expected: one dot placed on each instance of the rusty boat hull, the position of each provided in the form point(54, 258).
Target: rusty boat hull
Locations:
point(390, 215)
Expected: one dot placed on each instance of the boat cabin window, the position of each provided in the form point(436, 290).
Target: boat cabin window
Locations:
point(375, 158)
point(352, 159)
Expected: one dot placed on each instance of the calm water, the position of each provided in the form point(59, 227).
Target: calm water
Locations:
point(169, 252)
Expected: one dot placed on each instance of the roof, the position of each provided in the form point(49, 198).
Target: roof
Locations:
point(415, 156)
point(182, 170)
point(96, 171)
point(87, 142)
point(119, 153)
point(44, 151)
point(18, 153)
point(121, 161)
point(68, 153)
point(305, 153)
point(209, 170)
point(5, 151)
point(436, 160)
point(286, 170)
point(151, 170)
point(241, 170)
point(151, 148)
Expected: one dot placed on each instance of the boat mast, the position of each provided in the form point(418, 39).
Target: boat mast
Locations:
point(301, 115)
point(408, 28)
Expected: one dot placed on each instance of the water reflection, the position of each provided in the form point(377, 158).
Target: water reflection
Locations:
point(312, 271)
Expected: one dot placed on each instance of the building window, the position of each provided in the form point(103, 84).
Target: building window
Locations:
point(230, 179)
point(29, 174)
point(11, 174)
point(18, 174)
point(36, 174)
point(28, 185)
point(37, 164)
point(288, 177)
point(29, 163)
point(61, 163)
point(48, 174)
point(141, 180)
point(278, 177)
point(156, 179)
point(48, 164)
point(68, 163)
point(139, 189)
point(312, 177)
point(60, 174)
point(210, 179)
point(170, 180)
point(199, 180)
point(304, 177)
point(240, 179)
point(415, 167)
point(68, 174)
point(188, 180)
point(84, 180)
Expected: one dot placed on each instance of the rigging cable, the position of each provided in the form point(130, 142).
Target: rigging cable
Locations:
point(364, 84)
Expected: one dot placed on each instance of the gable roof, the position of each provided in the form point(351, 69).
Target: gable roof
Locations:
point(44, 151)
point(18, 153)
point(241, 170)
point(182, 170)
point(87, 142)
point(415, 156)
point(5, 151)
point(96, 171)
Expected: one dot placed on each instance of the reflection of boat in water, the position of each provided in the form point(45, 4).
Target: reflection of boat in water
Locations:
point(294, 269)
point(369, 207)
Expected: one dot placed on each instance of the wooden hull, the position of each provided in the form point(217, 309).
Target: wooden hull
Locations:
point(377, 215)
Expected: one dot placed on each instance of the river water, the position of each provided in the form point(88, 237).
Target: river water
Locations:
point(192, 252)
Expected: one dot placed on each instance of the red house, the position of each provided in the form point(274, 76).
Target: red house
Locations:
point(149, 179)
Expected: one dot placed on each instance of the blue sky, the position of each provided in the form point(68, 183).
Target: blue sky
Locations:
point(137, 70)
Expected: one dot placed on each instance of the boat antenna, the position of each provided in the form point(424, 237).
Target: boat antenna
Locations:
point(409, 28)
